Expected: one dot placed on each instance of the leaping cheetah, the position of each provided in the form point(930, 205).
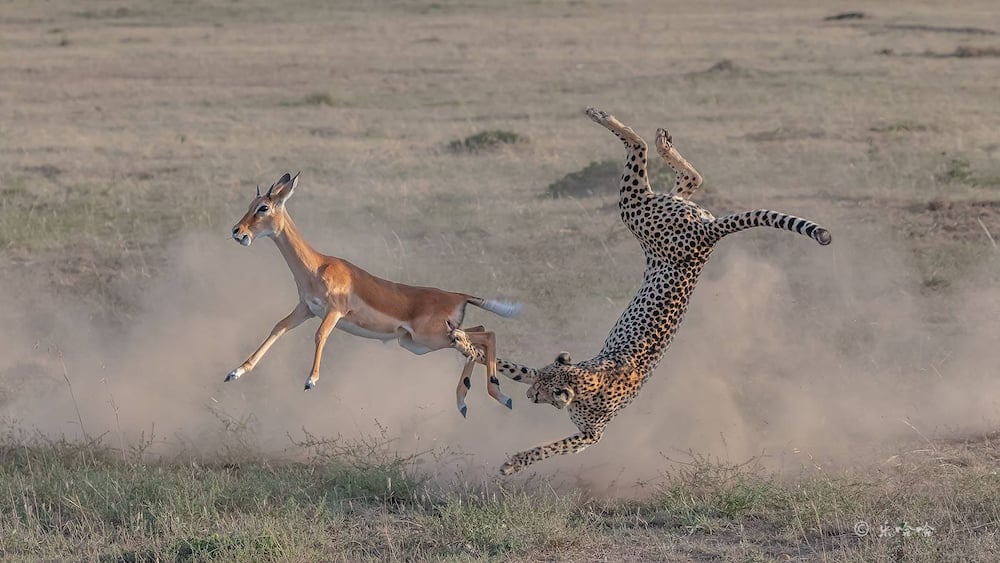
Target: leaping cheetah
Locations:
point(677, 237)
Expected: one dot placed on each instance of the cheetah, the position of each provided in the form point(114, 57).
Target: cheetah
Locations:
point(677, 237)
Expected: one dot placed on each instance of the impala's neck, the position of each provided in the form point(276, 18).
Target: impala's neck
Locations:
point(301, 258)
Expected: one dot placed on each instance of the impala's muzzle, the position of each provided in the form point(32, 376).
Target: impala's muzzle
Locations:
point(242, 236)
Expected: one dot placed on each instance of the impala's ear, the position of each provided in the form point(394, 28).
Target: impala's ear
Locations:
point(283, 188)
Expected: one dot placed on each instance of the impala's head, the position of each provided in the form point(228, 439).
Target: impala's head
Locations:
point(554, 383)
point(266, 215)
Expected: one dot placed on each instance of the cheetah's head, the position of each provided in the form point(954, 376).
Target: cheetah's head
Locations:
point(554, 384)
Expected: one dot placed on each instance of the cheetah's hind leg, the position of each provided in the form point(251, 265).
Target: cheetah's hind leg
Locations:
point(687, 180)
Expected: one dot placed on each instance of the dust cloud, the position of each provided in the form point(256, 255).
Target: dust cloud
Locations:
point(799, 353)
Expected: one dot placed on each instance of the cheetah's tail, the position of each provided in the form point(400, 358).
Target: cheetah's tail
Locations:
point(736, 222)
point(506, 309)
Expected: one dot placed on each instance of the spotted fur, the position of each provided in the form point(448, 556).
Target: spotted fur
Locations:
point(677, 237)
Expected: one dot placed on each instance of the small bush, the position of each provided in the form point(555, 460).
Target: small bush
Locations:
point(486, 140)
point(904, 125)
point(597, 178)
point(318, 99)
point(604, 178)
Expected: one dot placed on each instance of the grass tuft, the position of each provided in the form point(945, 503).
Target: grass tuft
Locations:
point(900, 126)
point(485, 141)
point(316, 99)
point(506, 523)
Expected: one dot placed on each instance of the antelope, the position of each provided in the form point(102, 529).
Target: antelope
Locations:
point(347, 297)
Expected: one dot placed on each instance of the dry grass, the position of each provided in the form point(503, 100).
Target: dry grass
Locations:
point(123, 127)
point(61, 498)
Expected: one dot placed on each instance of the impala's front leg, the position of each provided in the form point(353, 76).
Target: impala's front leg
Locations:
point(294, 319)
point(573, 444)
point(325, 328)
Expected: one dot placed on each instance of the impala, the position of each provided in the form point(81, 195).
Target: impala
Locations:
point(347, 297)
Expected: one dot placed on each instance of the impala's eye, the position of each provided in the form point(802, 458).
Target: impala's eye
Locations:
point(262, 209)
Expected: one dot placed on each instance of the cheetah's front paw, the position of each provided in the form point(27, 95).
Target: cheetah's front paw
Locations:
point(516, 463)
point(664, 139)
point(509, 468)
point(600, 116)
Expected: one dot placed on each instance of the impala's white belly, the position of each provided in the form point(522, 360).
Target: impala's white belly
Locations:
point(351, 328)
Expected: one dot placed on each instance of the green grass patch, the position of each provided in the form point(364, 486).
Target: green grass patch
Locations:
point(486, 141)
point(958, 170)
point(317, 99)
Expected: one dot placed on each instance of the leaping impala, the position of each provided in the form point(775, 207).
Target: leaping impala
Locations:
point(344, 296)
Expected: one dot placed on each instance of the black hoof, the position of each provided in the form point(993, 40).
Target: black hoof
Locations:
point(464, 411)
point(510, 403)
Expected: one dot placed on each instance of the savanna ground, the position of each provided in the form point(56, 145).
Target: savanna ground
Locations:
point(811, 389)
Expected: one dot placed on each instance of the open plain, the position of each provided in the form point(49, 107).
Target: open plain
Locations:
point(835, 403)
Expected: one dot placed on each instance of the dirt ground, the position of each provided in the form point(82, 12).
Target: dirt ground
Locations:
point(132, 136)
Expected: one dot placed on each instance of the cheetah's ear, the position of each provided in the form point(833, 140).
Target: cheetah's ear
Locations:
point(563, 397)
point(564, 359)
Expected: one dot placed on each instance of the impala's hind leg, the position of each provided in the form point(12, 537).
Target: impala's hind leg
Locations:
point(687, 180)
point(488, 342)
point(517, 372)
point(464, 384)
point(465, 381)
